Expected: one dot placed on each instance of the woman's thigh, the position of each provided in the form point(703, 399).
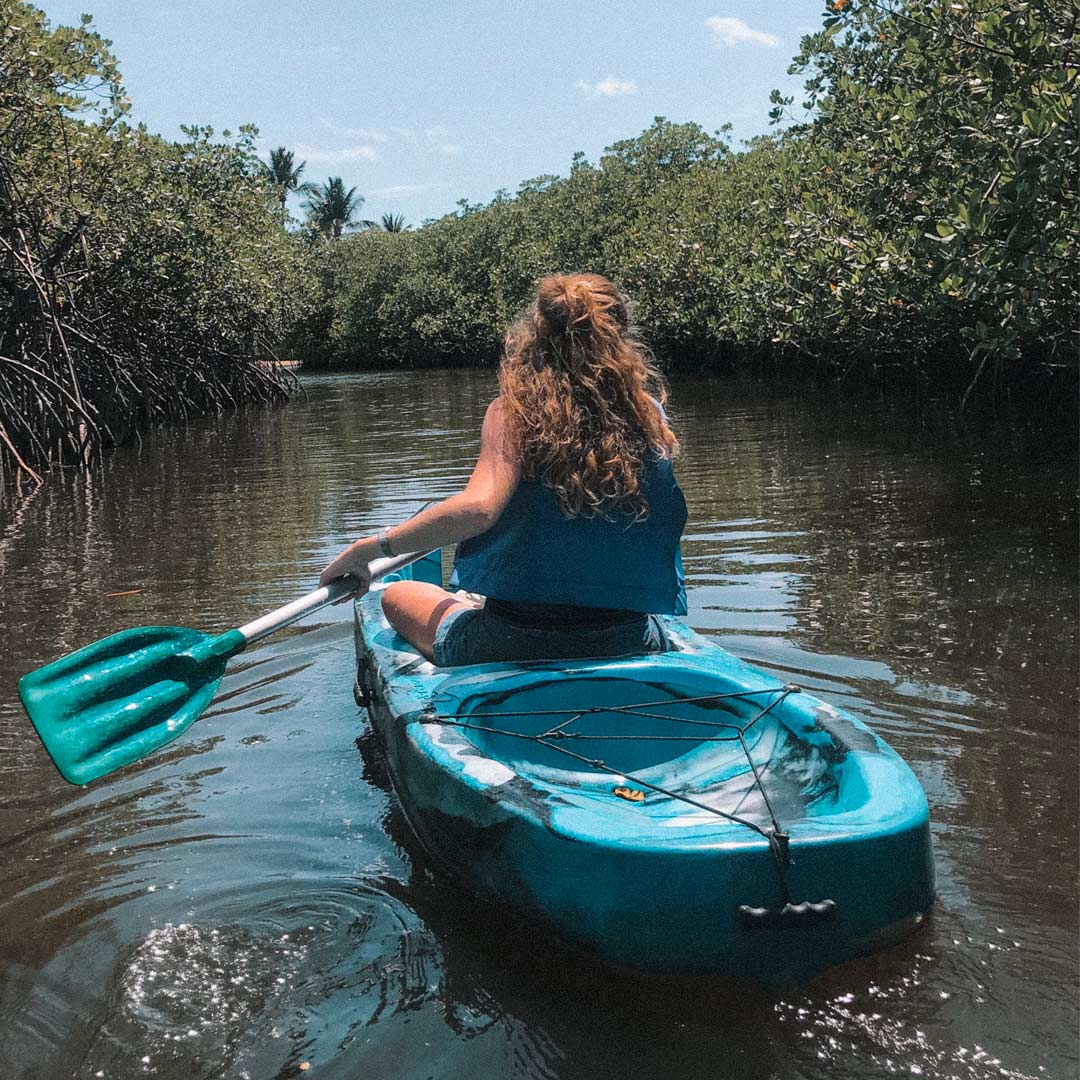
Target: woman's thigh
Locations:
point(415, 609)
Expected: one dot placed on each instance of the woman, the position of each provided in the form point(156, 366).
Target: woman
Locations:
point(570, 522)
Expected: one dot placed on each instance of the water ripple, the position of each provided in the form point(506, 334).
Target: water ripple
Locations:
point(260, 982)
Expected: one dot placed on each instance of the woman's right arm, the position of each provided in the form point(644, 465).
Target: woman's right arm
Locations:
point(469, 513)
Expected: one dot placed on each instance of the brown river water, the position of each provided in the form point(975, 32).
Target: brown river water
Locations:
point(249, 903)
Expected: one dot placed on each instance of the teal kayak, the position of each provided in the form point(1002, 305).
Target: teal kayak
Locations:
point(682, 812)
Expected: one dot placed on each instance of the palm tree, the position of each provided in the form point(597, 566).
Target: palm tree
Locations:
point(331, 208)
point(393, 223)
point(284, 175)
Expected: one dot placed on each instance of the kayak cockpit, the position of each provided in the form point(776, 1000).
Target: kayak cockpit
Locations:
point(692, 750)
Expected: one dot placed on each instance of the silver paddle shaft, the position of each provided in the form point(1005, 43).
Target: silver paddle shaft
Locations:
point(336, 590)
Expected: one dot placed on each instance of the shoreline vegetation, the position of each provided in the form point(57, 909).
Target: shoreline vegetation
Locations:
point(140, 279)
point(914, 223)
point(915, 220)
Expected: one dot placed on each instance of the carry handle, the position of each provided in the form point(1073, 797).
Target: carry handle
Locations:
point(805, 913)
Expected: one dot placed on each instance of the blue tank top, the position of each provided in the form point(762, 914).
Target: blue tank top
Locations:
point(534, 554)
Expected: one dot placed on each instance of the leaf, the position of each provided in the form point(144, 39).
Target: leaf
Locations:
point(630, 794)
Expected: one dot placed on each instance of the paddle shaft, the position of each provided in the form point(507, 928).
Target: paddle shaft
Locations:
point(264, 626)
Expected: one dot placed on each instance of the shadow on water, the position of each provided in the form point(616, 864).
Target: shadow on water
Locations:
point(574, 1015)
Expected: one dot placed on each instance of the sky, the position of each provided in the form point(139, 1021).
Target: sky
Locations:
point(421, 104)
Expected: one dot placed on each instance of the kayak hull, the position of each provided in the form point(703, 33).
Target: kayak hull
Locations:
point(621, 845)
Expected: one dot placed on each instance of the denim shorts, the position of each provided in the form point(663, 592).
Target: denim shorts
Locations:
point(475, 636)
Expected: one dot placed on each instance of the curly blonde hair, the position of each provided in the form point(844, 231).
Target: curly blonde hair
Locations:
point(580, 395)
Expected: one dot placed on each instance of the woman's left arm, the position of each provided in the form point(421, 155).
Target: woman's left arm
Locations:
point(467, 514)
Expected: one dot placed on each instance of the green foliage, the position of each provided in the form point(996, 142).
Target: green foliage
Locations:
point(924, 214)
point(140, 279)
point(446, 292)
point(948, 132)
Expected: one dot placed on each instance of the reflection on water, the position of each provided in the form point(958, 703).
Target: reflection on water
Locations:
point(248, 902)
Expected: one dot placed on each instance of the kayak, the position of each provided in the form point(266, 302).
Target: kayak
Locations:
point(680, 812)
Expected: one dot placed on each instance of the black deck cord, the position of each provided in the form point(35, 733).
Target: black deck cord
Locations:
point(789, 688)
point(600, 764)
point(776, 837)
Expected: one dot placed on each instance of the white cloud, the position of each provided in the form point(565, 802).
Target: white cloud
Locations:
point(730, 31)
point(609, 87)
point(439, 136)
point(366, 134)
point(356, 153)
point(314, 155)
point(613, 87)
point(399, 191)
point(433, 139)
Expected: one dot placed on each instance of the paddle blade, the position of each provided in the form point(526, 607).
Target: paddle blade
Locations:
point(115, 701)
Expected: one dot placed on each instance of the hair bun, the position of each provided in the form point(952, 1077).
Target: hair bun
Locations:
point(568, 304)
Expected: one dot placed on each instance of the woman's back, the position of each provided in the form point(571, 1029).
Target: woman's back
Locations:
point(535, 554)
point(571, 520)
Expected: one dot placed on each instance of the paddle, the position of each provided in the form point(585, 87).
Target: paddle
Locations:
point(113, 702)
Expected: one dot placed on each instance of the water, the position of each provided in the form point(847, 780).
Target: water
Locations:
point(249, 903)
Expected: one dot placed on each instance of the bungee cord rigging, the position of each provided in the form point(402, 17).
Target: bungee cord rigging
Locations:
point(559, 733)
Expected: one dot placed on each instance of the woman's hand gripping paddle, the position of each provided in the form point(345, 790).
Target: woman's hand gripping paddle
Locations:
point(113, 702)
